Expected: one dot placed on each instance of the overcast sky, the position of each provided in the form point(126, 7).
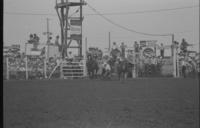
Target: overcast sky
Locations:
point(18, 27)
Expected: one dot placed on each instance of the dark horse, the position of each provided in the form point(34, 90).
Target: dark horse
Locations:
point(92, 67)
point(122, 69)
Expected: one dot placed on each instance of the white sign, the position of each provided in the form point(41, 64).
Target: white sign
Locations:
point(151, 43)
point(35, 53)
point(53, 51)
point(167, 47)
point(29, 49)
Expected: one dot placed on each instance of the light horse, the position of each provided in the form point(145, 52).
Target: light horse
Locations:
point(122, 69)
point(92, 67)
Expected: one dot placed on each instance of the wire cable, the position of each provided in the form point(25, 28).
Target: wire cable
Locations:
point(122, 27)
point(149, 11)
point(114, 13)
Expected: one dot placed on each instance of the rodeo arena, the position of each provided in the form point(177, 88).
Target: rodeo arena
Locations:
point(143, 59)
point(125, 86)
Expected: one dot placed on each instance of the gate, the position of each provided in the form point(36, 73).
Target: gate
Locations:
point(71, 70)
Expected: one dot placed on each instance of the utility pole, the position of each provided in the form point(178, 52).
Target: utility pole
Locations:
point(66, 28)
point(62, 18)
point(47, 33)
point(109, 41)
point(174, 57)
point(48, 40)
point(81, 18)
point(177, 62)
point(48, 29)
point(86, 44)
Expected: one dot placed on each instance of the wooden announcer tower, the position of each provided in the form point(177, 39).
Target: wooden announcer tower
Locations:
point(71, 27)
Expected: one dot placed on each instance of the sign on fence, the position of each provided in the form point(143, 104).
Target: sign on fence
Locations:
point(148, 52)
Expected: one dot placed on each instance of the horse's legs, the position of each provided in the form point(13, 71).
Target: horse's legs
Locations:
point(120, 76)
point(96, 73)
point(125, 75)
point(93, 72)
point(90, 74)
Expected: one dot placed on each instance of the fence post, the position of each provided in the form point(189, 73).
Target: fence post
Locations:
point(61, 69)
point(26, 67)
point(174, 62)
point(177, 63)
point(45, 68)
point(84, 67)
point(7, 68)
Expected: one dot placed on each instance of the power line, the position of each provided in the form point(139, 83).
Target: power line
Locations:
point(148, 11)
point(122, 27)
point(114, 13)
point(29, 14)
point(36, 14)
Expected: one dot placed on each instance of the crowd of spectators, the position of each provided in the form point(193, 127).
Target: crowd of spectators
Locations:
point(36, 67)
point(150, 66)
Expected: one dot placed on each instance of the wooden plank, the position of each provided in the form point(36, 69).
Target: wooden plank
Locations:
point(75, 4)
point(74, 47)
point(61, 5)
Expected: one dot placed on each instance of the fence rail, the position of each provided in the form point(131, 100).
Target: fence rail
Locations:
point(73, 69)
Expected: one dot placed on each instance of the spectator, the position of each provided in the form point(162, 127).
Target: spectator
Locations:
point(184, 46)
point(154, 64)
point(35, 37)
point(136, 47)
point(49, 40)
point(123, 49)
point(70, 56)
point(57, 41)
point(31, 39)
point(162, 50)
point(183, 69)
point(137, 50)
point(115, 47)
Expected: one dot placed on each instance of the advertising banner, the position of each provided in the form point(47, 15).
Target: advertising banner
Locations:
point(148, 52)
point(148, 43)
point(151, 43)
point(31, 50)
point(143, 43)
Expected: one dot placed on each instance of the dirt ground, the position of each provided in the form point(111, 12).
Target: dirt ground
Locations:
point(138, 103)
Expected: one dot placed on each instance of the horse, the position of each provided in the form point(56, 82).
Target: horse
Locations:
point(122, 69)
point(92, 67)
